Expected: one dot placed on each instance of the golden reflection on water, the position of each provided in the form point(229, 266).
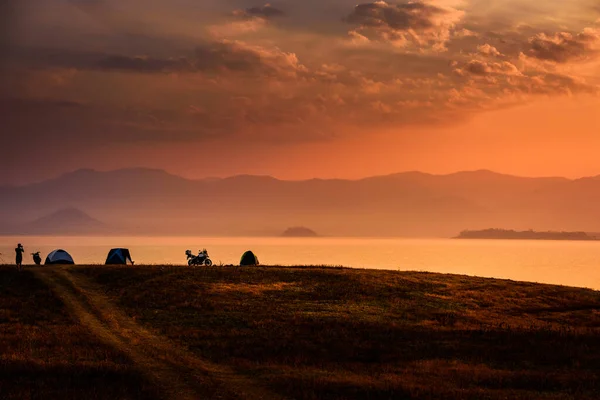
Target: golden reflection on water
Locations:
point(569, 263)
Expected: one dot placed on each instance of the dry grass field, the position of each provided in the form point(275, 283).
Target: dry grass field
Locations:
point(46, 354)
point(297, 333)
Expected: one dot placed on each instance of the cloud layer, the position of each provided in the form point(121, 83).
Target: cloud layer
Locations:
point(152, 71)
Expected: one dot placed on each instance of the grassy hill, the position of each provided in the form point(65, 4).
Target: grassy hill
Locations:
point(312, 333)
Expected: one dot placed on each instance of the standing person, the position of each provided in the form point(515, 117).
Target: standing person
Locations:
point(19, 253)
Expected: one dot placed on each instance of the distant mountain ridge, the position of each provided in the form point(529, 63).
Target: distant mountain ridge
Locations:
point(152, 201)
point(158, 173)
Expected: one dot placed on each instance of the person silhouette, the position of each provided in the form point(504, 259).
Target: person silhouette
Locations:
point(19, 250)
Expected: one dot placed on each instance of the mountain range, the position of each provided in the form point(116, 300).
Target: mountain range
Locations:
point(154, 202)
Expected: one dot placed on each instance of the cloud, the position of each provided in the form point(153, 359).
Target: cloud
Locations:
point(238, 56)
point(400, 17)
point(416, 22)
point(554, 83)
point(222, 56)
point(235, 28)
point(465, 33)
point(267, 12)
point(488, 50)
point(143, 64)
point(245, 21)
point(563, 47)
point(501, 82)
point(523, 67)
point(477, 67)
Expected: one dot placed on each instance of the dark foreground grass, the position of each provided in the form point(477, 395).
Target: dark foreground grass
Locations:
point(45, 354)
point(316, 333)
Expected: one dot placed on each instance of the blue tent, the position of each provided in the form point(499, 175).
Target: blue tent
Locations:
point(118, 257)
point(58, 256)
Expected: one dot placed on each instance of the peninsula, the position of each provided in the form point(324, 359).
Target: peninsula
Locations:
point(523, 235)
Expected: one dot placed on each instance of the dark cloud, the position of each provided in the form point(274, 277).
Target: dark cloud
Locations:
point(214, 57)
point(400, 17)
point(477, 68)
point(222, 56)
point(143, 64)
point(563, 47)
point(418, 23)
point(267, 11)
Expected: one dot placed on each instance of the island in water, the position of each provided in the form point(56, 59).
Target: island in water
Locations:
point(527, 235)
point(299, 231)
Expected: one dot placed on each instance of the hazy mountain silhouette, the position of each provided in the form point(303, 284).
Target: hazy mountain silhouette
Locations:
point(150, 201)
point(65, 221)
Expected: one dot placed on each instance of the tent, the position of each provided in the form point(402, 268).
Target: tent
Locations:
point(248, 258)
point(59, 256)
point(118, 257)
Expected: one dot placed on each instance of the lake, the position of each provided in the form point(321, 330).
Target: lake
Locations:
point(571, 263)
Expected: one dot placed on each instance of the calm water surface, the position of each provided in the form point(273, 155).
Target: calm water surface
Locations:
point(569, 263)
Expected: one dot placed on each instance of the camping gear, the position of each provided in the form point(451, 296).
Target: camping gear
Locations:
point(36, 258)
point(58, 256)
point(200, 259)
point(118, 257)
point(248, 258)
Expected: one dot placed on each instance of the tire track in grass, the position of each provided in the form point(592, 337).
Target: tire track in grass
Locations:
point(180, 374)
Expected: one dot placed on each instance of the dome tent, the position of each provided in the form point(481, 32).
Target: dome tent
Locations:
point(248, 258)
point(118, 257)
point(58, 256)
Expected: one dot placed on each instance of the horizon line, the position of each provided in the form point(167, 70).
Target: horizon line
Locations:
point(206, 178)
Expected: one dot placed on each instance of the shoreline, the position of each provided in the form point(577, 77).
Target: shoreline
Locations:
point(185, 267)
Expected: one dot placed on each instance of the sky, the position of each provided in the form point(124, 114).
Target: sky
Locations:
point(299, 89)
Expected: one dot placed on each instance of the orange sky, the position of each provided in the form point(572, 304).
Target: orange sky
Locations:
point(300, 89)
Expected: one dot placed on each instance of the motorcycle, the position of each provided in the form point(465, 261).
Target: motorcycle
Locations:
point(200, 259)
point(36, 258)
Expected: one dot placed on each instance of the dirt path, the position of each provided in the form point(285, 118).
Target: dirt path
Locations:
point(180, 374)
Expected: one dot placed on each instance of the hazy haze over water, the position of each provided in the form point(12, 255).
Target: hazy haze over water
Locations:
point(569, 263)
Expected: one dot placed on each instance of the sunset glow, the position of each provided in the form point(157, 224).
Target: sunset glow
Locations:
point(359, 90)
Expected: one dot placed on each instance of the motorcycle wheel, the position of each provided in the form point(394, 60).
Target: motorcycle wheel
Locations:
point(208, 262)
point(190, 262)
